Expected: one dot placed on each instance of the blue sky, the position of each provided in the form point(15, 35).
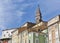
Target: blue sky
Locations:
point(14, 13)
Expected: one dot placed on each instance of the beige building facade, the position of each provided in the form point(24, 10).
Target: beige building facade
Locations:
point(15, 36)
point(24, 33)
point(54, 30)
point(23, 37)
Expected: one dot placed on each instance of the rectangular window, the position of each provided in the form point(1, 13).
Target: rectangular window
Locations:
point(53, 37)
point(29, 41)
point(36, 41)
point(25, 41)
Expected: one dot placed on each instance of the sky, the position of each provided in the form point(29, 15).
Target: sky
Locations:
point(14, 13)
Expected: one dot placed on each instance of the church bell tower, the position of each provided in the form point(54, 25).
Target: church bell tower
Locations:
point(38, 15)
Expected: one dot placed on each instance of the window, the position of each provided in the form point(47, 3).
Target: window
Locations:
point(53, 36)
point(9, 35)
point(29, 41)
point(25, 41)
point(50, 41)
point(36, 34)
point(7, 32)
point(4, 35)
point(50, 36)
point(26, 33)
point(39, 30)
point(36, 40)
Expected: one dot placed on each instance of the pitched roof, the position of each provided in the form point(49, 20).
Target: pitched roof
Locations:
point(29, 25)
point(22, 29)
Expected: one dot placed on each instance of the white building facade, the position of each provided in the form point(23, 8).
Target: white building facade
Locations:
point(7, 36)
point(7, 33)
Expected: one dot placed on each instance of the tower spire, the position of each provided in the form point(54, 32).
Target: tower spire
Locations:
point(38, 15)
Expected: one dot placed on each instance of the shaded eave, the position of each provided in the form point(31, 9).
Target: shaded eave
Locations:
point(5, 38)
point(22, 29)
point(41, 26)
point(30, 24)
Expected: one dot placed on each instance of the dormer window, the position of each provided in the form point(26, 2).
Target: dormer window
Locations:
point(9, 35)
point(4, 35)
point(7, 32)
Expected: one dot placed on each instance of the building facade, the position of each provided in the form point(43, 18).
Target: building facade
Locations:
point(54, 30)
point(27, 36)
point(24, 33)
point(6, 36)
point(23, 37)
point(15, 36)
point(7, 33)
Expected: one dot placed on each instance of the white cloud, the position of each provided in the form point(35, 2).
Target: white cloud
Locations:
point(8, 12)
point(20, 13)
point(11, 13)
point(2, 27)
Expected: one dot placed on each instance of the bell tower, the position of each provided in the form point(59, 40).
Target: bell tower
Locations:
point(38, 15)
